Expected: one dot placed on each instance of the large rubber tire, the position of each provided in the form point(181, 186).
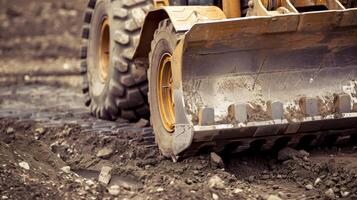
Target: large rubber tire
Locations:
point(165, 41)
point(124, 93)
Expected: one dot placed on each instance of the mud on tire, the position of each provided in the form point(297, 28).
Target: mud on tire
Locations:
point(124, 92)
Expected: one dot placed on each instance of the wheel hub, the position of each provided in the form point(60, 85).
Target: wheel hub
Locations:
point(104, 50)
point(165, 91)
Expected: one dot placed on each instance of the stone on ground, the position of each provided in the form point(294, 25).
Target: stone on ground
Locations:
point(24, 165)
point(216, 183)
point(114, 190)
point(216, 160)
point(141, 123)
point(105, 175)
point(105, 153)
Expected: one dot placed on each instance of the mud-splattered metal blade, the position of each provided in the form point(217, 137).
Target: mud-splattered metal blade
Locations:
point(260, 59)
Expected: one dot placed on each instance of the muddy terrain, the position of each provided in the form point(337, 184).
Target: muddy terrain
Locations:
point(52, 148)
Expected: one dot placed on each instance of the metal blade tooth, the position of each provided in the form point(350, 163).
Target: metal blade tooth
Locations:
point(275, 109)
point(238, 112)
point(309, 106)
point(342, 103)
point(206, 116)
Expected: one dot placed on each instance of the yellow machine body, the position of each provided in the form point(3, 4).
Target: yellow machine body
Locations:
point(284, 73)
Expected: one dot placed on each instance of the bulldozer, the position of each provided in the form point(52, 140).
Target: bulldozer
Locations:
point(224, 75)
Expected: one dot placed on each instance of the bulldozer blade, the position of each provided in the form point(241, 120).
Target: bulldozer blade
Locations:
point(287, 76)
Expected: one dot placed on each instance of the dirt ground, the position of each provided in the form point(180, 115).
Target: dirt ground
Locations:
point(48, 128)
point(52, 148)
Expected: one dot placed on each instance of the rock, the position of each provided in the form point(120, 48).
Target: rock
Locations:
point(141, 123)
point(216, 183)
point(105, 175)
point(216, 160)
point(105, 153)
point(89, 182)
point(237, 190)
point(305, 158)
point(188, 181)
point(65, 132)
point(283, 195)
point(344, 194)
point(40, 130)
point(10, 130)
point(330, 194)
point(66, 169)
point(114, 190)
point(272, 197)
point(287, 153)
point(160, 189)
point(317, 181)
point(4, 197)
point(215, 196)
point(24, 165)
point(275, 187)
point(309, 187)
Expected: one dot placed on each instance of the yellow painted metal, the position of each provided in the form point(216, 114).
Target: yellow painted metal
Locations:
point(104, 50)
point(231, 8)
point(161, 3)
point(165, 91)
point(182, 17)
point(283, 51)
point(267, 8)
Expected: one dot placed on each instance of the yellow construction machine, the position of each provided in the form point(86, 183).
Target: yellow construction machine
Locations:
point(224, 75)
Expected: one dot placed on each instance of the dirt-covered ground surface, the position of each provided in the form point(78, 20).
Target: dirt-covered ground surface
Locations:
point(52, 148)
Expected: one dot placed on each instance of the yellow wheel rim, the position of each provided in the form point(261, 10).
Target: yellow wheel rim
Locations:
point(104, 50)
point(165, 91)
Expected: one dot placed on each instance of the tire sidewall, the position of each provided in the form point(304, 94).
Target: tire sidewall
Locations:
point(164, 42)
point(102, 10)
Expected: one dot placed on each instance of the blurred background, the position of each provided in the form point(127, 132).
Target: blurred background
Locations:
point(38, 37)
point(40, 28)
